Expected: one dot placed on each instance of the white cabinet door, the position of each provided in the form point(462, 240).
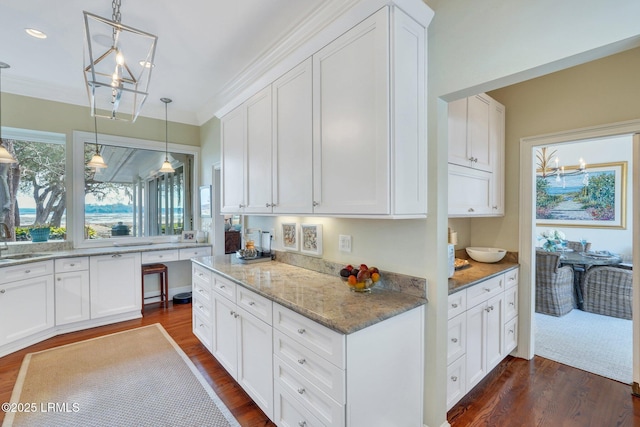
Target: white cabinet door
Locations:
point(494, 331)
point(496, 133)
point(224, 345)
point(469, 191)
point(232, 129)
point(26, 307)
point(457, 336)
point(478, 140)
point(351, 131)
point(258, 154)
point(72, 297)
point(255, 375)
point(293, 141)
point(510, 335)
point(115, 283)
point(457, 126)
point(456, 387)
point(476, 345)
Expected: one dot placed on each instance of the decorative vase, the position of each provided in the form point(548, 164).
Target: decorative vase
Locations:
point(40, 234)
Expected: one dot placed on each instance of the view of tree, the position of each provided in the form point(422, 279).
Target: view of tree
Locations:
point(40, 173)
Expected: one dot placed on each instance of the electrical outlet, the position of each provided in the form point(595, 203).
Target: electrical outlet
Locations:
point(344, 243)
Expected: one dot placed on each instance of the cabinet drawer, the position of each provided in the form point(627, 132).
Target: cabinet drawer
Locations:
point(321, 340)
point(225, 287)
point(65, 265)
point(288, 412)
point(202, 329)
point(202, 292)
point(510, 335)
point(511, 303)
point(457, 303)
point(25, 271)
point(153, 257)
point(202, 275)
point(457, 337)
point(255, 304)
point(327, 410)
point(456, 382)
point(485, 290)
point(202, 306)
point(188, 253)
point(511, 278)
point(328, 377)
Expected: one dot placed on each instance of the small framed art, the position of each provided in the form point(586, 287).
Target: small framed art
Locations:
point(311, 239)
point(290, 236)
point(188, 236)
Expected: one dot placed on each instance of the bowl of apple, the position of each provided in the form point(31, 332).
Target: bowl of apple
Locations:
point(360, 279)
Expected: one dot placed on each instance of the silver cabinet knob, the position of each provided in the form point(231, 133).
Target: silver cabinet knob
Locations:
point(315, 203)
point(301, 390)
point(2, 291)
point(454, 378)
point(454, 305)
point(302, 361)
point(454, 339)
point(301, 331)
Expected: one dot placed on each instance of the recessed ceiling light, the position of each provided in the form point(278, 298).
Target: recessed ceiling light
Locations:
point(35, 33)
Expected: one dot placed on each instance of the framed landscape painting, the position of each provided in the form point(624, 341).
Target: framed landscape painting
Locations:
point(594, 197)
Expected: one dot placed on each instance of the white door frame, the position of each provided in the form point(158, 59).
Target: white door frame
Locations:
point(527, 230)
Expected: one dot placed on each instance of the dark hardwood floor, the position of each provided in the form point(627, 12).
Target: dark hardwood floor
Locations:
point(516, 393)
point(541, 392)
point(177, 322)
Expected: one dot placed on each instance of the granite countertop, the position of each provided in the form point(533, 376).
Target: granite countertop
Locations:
point(323, 298)
point(103, 250)
point(477, 272)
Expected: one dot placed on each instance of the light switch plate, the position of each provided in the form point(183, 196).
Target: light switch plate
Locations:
point(344, 243)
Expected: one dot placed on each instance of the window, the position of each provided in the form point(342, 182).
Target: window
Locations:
point(130, 199)
point(33, 191)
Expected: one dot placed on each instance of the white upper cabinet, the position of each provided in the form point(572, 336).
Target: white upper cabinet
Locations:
point(292, 142)
point(476, 157)
point(346, 130)
point(369, 132)
point(232, 127)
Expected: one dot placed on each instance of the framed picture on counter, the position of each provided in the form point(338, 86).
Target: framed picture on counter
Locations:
point(290, 236)
point(311, 239)
point(188, 236)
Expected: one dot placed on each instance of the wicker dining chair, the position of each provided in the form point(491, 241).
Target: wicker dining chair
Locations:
point(607, 290)
point(555, 292)
point(576, 246)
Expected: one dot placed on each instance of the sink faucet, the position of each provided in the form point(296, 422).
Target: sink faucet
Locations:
point(4, 236)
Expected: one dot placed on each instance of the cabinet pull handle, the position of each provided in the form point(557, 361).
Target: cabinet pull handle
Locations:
point(232, 312)
point(511, 303)
point(241, 206)
point(315, 203)
point(2, 291)
point(301, 331)
point(302, 423)
point(454, 305)
point(268, 205)
point(510, 331)
point(27, 271)
point(454, 339)
point(72, 265)
point(301, 390)
point(59, 279)
point(252, 303)
point(236, 315)
point(454, 378)
point(221, 286)
point(302, 361)
point(487, 289)
point(471, 210)
point(495, 207)
point(202, 325)
point(116, 256)
point(200, 307)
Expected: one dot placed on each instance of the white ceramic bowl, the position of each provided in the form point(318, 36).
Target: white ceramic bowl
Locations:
point(486, 254)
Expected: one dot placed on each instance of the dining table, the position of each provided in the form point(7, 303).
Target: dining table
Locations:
point(581, 262)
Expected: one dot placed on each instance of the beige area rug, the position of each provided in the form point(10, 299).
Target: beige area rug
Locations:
point(138, 377)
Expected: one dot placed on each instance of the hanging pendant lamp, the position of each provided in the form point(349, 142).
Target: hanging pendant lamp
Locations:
point(96, 162)
point(5, 156)
point(166, 166)
point(118, 60)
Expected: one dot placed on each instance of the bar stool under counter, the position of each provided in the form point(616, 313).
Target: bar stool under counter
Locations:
point(163, 271)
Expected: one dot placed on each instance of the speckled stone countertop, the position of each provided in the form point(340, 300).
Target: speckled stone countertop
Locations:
point(47, 254)
point(323, 298)
point(477, 272)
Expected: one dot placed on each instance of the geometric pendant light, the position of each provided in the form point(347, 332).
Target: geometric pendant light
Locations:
point(118, 60)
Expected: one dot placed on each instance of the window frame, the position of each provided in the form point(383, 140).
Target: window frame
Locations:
point(76, 209)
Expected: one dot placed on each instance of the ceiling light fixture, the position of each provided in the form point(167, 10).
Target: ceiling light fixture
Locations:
point(35, 33)
point(96, 162)
point(112, 75)
point(166, 166)
point(5, 156)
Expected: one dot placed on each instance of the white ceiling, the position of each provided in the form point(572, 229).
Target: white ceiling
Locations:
point(205, 47)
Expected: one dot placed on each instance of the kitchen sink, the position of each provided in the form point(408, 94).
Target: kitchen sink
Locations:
point(17, 257)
